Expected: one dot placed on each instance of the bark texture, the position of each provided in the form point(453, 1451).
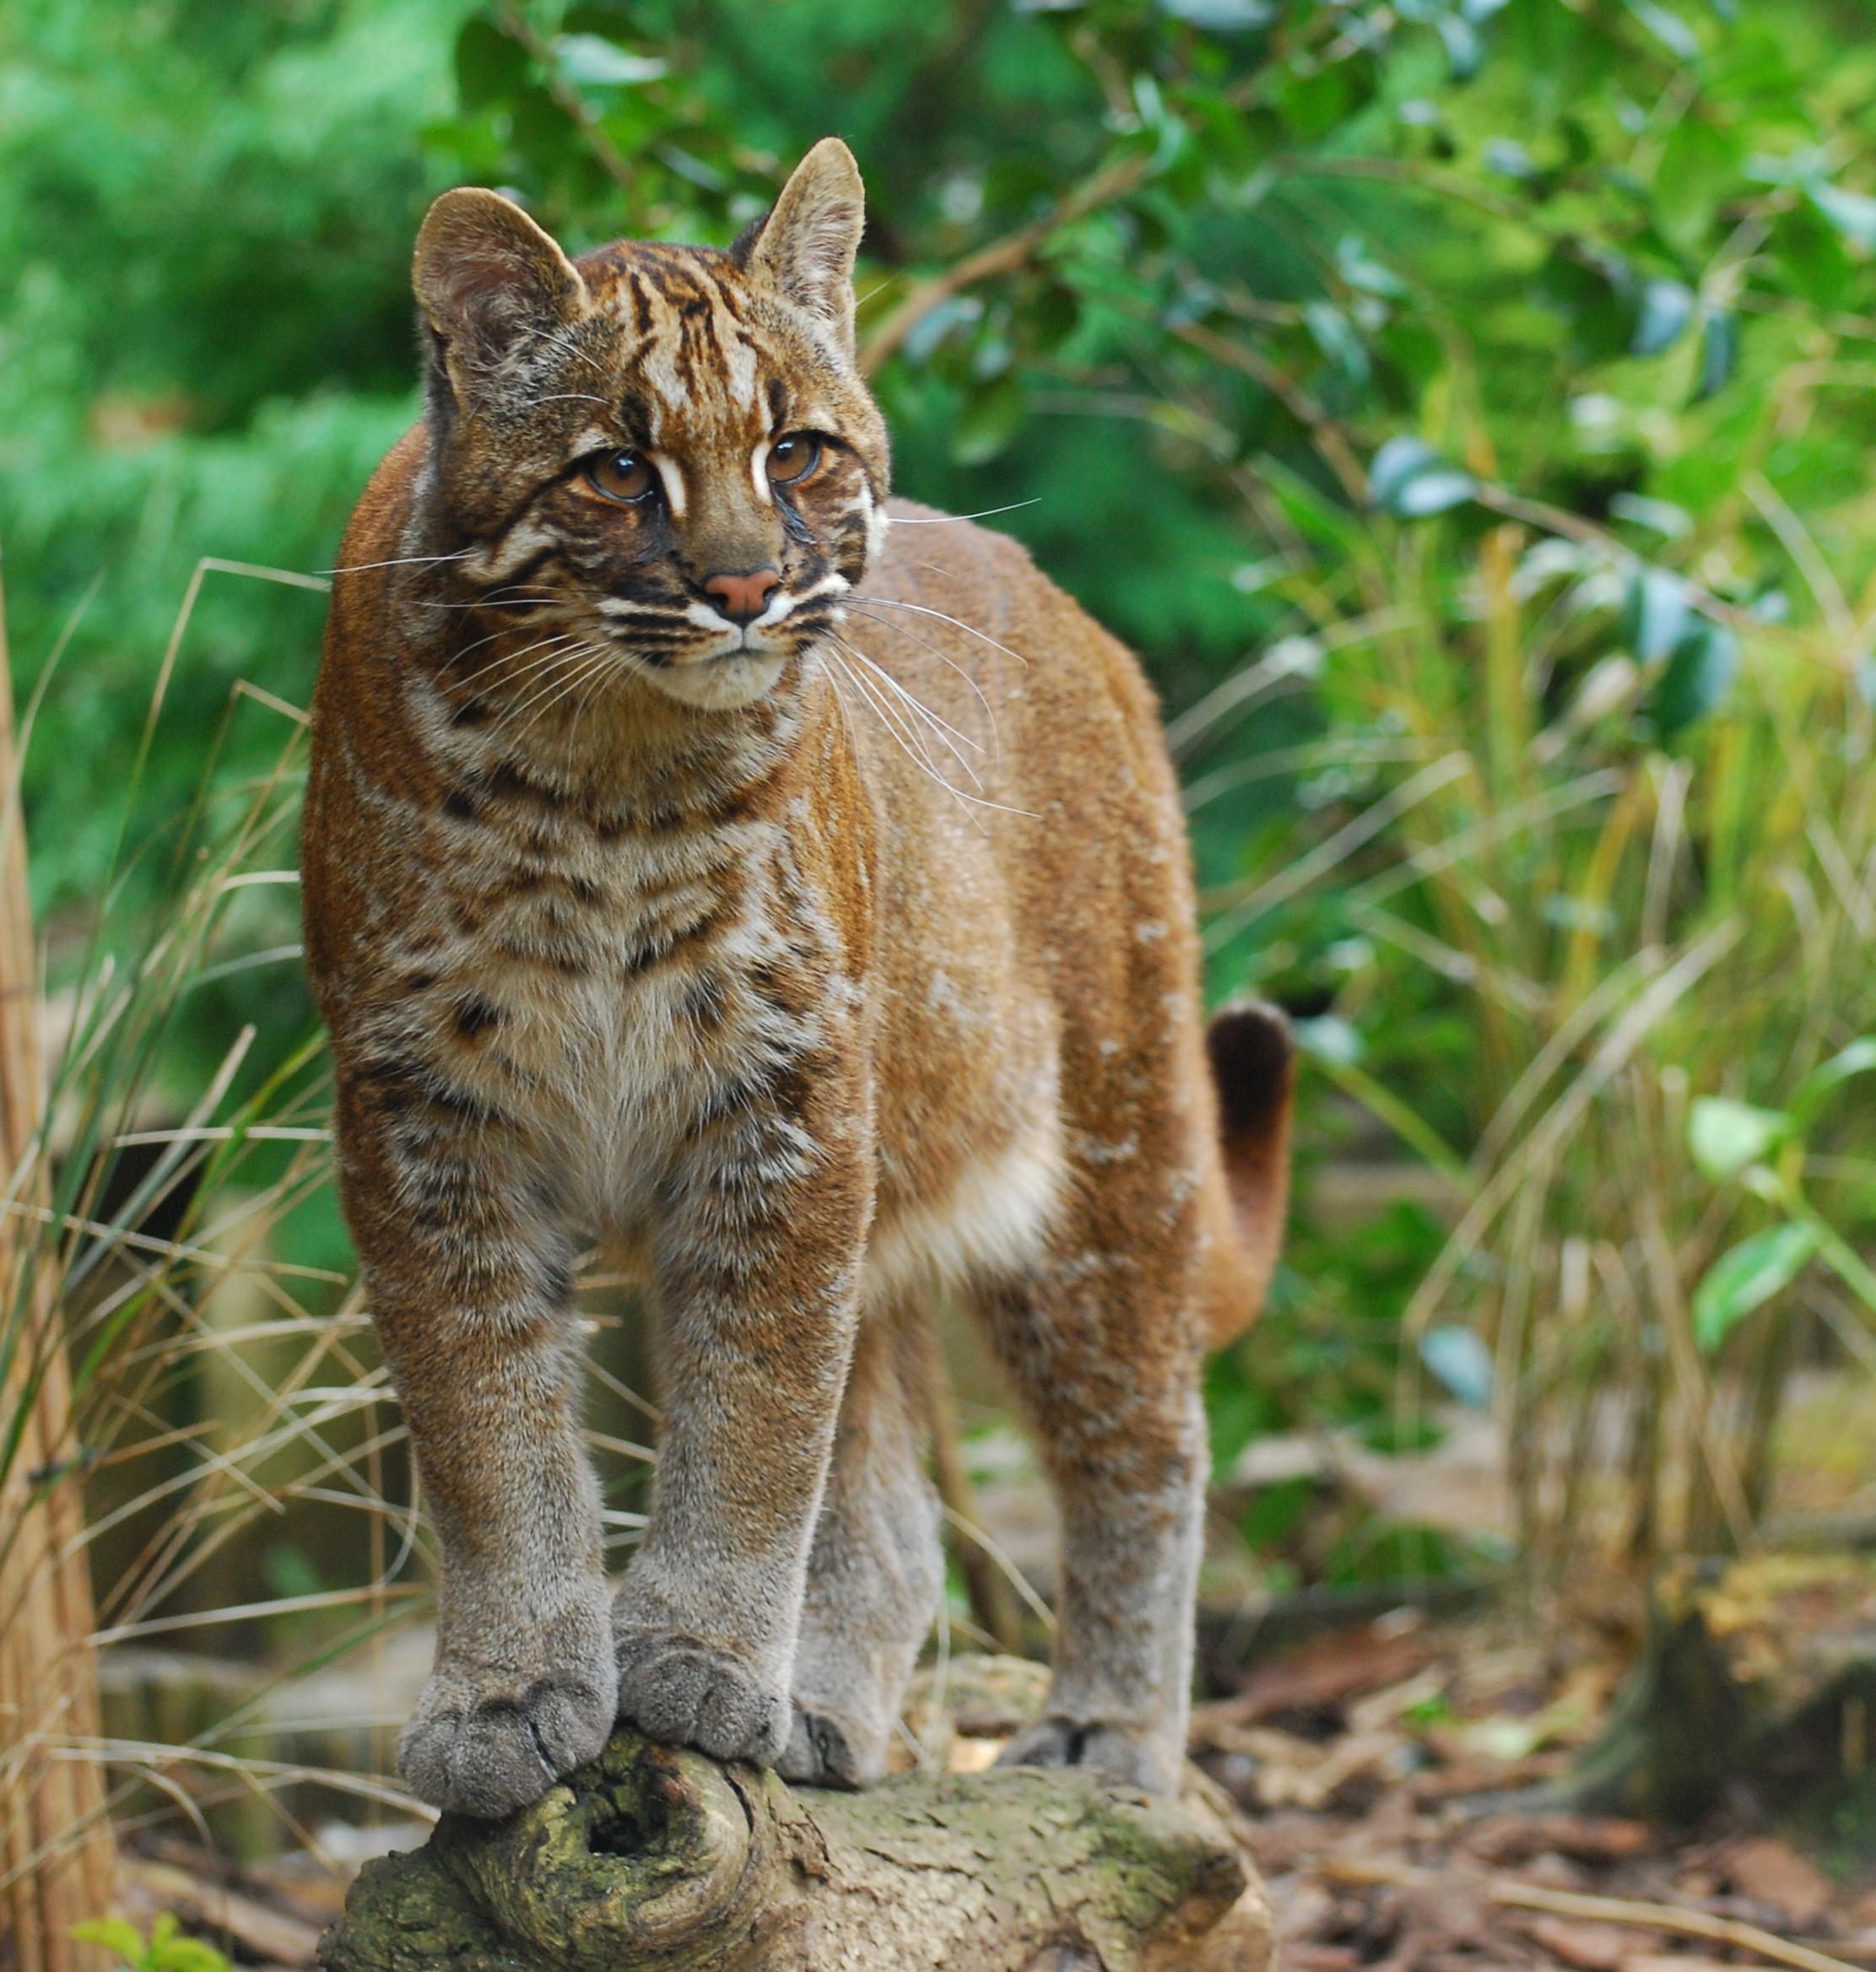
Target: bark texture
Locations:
point(58, 1861)
point(1758, 1674)
point(656, 1860)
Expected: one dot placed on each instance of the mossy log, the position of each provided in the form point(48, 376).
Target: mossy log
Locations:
point(655, 1861)
point(1757, 1675)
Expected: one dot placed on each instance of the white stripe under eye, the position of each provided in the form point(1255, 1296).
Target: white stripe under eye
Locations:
point(672, 474)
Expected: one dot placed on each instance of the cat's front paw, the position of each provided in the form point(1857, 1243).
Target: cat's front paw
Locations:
point(683, 1692)
point(484, 1741)
point(1126, 1753)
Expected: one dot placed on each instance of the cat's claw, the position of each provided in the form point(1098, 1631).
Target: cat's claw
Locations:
point(682, 1692)
point(484, 1742)
point(1123, 1754)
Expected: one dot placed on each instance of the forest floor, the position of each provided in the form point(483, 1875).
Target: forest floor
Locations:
point(1392, 1782)
point(1386, 1775)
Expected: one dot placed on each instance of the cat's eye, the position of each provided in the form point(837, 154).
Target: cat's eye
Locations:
point(793, 458)
point(620, 476)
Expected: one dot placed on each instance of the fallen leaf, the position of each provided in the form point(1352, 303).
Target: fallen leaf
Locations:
point(1589, 1947)
point(1763, 1869)
point(1503, 1839)
point(1673, 1962)
point(1330, 1669)
point(1312, 1781)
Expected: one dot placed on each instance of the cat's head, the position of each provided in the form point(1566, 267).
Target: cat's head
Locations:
point(668, 448)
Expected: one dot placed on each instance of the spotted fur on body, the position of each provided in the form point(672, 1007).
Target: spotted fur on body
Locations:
point(791, 892)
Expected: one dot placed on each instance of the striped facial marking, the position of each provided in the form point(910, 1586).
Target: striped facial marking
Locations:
point(674, 465)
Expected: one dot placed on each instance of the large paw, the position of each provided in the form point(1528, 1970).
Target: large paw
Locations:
point(1125, 1753)
point(820, 1753)
point(485, 1741)
point(683, 1692)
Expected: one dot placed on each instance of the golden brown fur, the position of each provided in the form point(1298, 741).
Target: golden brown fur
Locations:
point(821, 962)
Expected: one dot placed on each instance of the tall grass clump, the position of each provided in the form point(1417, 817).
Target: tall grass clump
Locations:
point(175, 1372)
point(1596, 894)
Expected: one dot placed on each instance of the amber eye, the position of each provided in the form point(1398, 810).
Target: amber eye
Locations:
point(793, 458)
point(620, 476)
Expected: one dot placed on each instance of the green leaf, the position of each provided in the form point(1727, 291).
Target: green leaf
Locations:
point(1462, 1362)
point(116, 1935)
point(1696, 679)
point(593, 60)
point(988, 423)
point(1409, 480)
point(1221, 17)
point(1853, 213)
point(186, 1955)
point(1719, 351)
point(1666, 27)
point(1725, 1136)
point(1748, 1277)
point(1667, 309)
point(1857, 1059)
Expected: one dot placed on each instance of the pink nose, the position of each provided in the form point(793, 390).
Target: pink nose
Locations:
point(743, 598)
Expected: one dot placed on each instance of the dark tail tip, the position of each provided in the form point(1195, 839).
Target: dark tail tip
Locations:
point(1254, 1066)
point(1253, 1062)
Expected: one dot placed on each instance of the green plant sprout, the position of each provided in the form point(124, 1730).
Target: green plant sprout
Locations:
point(167, 1949)
point(1763, 1150)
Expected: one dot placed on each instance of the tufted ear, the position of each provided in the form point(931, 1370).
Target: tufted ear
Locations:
point(486, 276)
point(805, 247)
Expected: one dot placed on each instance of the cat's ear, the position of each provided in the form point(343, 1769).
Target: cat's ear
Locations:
point(805, 247)
point(486, 276)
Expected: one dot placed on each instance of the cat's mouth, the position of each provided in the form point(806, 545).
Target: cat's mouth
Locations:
point(741, 671)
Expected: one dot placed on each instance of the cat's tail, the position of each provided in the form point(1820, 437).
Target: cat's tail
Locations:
point(1254, 1068)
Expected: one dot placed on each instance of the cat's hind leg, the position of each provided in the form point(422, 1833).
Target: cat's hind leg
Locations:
point(1101, 1342)
point(876, 1572)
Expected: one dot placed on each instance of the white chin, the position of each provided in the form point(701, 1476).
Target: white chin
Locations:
point(719, 685)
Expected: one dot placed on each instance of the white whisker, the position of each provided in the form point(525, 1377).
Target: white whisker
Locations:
point(990, 710)
point(596, 664)
point(904, 735)
point(559, 637)
point(918, 758)
point(952, 520)
point(399, 561)
point(578, 657)
point(958, 623)
point(501, 603)
point(942, 729)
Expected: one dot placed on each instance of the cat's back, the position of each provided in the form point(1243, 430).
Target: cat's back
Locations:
point(1035, 738)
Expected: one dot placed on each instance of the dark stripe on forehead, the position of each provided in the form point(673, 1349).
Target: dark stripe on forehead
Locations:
point(700, 353)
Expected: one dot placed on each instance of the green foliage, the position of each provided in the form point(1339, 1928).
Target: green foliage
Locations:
point(166, 1949)
point(1763, 1150)
point(1464, 407)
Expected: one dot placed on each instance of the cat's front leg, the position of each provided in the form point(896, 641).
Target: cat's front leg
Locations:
point(758, 1269)
point(471, 1293)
